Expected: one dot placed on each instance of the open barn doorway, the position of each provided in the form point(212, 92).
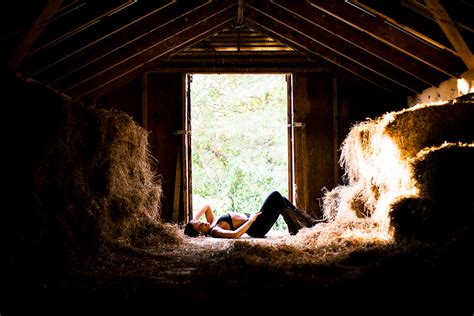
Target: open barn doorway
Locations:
point(239, 141)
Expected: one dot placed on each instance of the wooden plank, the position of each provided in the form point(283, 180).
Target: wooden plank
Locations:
point(240, 12)
point(379, 28)
point(144, 80)
point(35, 31)
point(364, 41)
point(75, 20)
point(314, 139)
point(149, 46)
point(126, 99)
point(125, 42)
point(186, 143)
point(289, 119)
point(177, 188)
point(335, 122)
point(452, 33)
point(301, 42)
point(140, 13)
point(411, 16)
point(164, 115)
point(340, 46)
point(128, 69)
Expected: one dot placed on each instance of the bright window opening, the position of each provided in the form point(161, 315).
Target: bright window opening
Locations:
point(239, 140)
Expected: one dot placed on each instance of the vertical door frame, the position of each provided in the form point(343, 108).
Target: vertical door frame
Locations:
point(291, 135)
point(188, 183)
point(315, 141)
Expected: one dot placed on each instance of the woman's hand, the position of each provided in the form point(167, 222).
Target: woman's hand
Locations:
point(254, 216)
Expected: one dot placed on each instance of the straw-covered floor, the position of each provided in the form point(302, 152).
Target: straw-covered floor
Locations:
point(89, 237)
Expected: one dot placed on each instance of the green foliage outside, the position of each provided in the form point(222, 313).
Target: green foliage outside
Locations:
point(239, 141)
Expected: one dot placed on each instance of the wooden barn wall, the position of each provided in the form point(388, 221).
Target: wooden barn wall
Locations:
point(315, 107)
point(128, 99)
point(362, 100)
point(164, 111)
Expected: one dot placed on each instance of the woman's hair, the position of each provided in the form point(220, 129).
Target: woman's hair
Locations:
point(190, 231)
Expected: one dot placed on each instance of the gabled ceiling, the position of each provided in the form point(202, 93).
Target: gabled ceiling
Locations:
point(86, 48)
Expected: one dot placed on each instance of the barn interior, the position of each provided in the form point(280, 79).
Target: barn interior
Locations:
point(97, 173)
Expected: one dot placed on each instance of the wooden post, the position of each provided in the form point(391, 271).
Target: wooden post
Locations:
point(452, 33)
point(177, 189)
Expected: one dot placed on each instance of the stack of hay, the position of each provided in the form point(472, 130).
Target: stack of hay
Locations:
point(410, 172)
point(80, 179)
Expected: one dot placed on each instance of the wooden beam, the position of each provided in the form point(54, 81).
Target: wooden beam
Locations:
point(69, 23)
point(364, 41)
point(177, 188)
point(127, 70)
point(124, 41)
point(299, 42)
point(240, 12)
point(337, 45)
point(390, 11)
point(35, 31)
point(144, 111)
point(452, 33)
point(147, 46)
point(382, 30)
point(140, 13)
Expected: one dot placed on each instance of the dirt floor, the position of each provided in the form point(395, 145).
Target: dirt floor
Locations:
point(271, 274)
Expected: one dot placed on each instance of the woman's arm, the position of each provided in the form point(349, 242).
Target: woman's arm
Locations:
point(207, 211)
point(225, 233)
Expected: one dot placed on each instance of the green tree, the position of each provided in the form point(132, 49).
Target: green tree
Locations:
point(239, 140)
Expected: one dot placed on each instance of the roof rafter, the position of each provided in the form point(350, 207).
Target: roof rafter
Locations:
point(302, 43)
point(364, 41)
point(338, 46)
point(125, 43)
point(133, 19)
point(452, 33)
point(382, 30)
point(126, 70)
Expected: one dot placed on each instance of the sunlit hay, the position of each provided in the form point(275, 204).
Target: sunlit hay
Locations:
point(445, 205)
point(323, 245)
point(342, 235)
point(331, 201)
point(373, 165)
point(377, 157)
point(345, 203)
point(346, 211)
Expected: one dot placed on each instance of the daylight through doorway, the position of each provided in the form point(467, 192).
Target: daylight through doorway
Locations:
point(239, 140)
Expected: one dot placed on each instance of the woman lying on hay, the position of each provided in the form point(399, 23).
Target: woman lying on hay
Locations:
point(258, 224)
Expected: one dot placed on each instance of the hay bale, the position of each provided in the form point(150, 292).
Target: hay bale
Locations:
point(415, 218)
point(444, 174)
point(399, 156)
point(345, 203)
point(372, 163)
point(444, 207)
point(91, 182)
